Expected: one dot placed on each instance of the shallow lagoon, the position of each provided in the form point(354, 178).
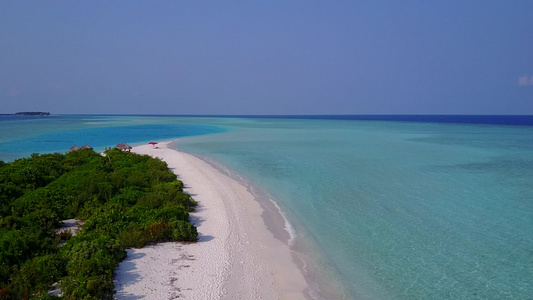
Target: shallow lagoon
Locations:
point(386, 209)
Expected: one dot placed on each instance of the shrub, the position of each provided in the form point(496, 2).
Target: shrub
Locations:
point(36, 274)
point(128, 196)
point(158, 231)
point(44, 295)
point(92, 261)
point(133, 237)
point(171, 213)
point(184, 231)
point(168, 193)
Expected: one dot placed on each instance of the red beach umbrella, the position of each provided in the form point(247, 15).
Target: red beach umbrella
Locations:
point(153, 144)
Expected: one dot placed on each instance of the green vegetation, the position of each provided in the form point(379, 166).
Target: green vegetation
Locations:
point(126, 200)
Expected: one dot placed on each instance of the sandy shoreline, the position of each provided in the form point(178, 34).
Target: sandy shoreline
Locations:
point(236, 256)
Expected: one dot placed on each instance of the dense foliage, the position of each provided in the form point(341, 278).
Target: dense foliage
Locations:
point(126, 200)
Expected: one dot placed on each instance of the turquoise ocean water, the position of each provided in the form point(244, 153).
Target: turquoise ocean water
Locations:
point(380, 209)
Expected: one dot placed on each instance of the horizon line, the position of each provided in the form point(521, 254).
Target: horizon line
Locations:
point(268, 115)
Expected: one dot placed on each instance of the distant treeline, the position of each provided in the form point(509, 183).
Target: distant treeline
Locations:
point(33, 113)
point(126, 200)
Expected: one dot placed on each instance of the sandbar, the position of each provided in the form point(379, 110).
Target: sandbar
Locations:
point(236, 256)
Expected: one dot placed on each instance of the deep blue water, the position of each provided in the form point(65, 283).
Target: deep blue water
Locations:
point(517, 120)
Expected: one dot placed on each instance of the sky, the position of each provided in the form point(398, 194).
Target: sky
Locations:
point(267, 57)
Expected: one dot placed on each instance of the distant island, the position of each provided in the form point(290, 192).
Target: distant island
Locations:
point(33, 113)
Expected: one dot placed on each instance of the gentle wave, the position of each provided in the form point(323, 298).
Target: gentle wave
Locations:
point(288, 227)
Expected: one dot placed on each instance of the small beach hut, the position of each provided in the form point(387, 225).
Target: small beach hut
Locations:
point(123, 147)
point(86, 147)
point(73, 148)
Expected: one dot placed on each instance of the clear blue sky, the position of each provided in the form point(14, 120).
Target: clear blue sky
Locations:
point(267, 57)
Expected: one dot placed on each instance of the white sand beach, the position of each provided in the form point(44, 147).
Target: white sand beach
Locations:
point(236, 256)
